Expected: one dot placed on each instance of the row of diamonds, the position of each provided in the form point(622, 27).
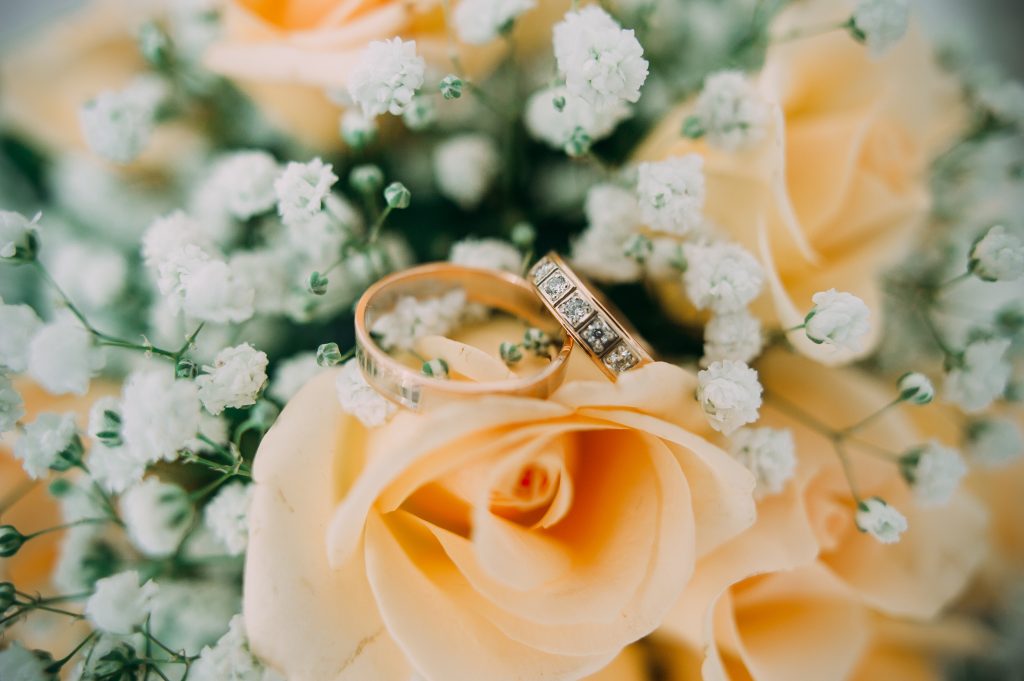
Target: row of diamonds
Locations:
point(578, 312)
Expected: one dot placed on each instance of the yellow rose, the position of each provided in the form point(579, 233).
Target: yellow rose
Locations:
point(46, 79)
point(836, 190)
point(288, 54)
point(795, 596)
point(507, 538)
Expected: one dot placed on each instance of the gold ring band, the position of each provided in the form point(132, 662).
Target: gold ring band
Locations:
point(588, 317)
point(491, 288)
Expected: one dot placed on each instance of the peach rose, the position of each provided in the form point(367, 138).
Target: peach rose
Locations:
point(288, 54)
point(46, 79)
point(795, 597)
point(507, 538)
point(837, 189)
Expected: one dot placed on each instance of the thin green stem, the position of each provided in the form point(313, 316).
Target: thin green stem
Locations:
point(849, 430)
point(811, 31)
point(65, 526)
point(844, 459)
point(56, 666)
point(378, 225)
point(16, 495)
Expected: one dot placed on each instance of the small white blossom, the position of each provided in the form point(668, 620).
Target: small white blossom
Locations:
point(916, 387)
point(20, 664)
point(602, 63)
point(159, 414)
point(235, 379)
point(613, 219)
point(465, 167)
point(420, 114)
point(556, 127)
point(490, 254)
point(115, 469)
point(995, 442)
point(1005, 101)
point(18, 324)
point(730, 395)
point(302, 189)
point(117, 124)
point(11, 406)
point(357, 129)
point(44, 440)
point(672, 193)
point(227, 516)
point(839, 319)
point(480, 21)
point(96, 274)
point(731, 112)
point(212, 291)
point(291, 374)
point(387, 77)
point(16, 235)
point(157, 516)
point(79, 501)
point(880, 520)
point(723, 277)
point(62, 357)
point(736, 336)
point(981, 376)
point(413, 318)
point(245, 181)
point(998, 256)
point(769, 454)
point(104, 416)
point(230, 659)
point(883, 23)
point(359, 399)
point(168, 235)
point(934, 471)
point(120, 604)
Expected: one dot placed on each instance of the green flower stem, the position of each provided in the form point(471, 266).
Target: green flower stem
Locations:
point(58, 664)
point(869, 418)
point(378, 225)
point(65, 526)
point(811, 31)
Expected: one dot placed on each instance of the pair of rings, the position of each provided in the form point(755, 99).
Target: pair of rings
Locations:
point(553, 299)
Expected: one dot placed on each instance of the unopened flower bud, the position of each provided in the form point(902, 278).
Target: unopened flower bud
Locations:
point(60, 487)
point(638, 247)
point(436, 368)
point(317, 284)
point(70, 456)
point(18, 241)
point(523, 235)
point(8, 597)
point(997, 256)
point(693, 127)
point(420, 114)
point(558, 102)
point(155, 45)
point(510, 352)
point(578, 143)
point(536, 341)
point(397, 195)
point(357, 130)
point(10, 541)
point(917, 388)
point(186, 368)
point(117, 663)
point(328, 355)
point(366, 178)
point(451, 87)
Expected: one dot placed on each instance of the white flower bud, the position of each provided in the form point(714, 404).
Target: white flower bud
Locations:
point(157, 516)
point(730, 395)
point(480, 21)
point(723, 277)
point(227, 516)
point(995, 442)
point(302, 189)
point(358, 130)
point(62, 357)
point(366, 179)
point(50, 441)
point(880, 520)
point(732, 113)
point(492, 254)
point(360, 400)
point(387, 77)
point(881, 23)
point(736, 336)
point(18, 324)
point(465, 167)
point(934, 471)
point(981, 376)
point(420, 114)
point(120, 604)
point(838, 319)
point(159, 414)
point(435, 368)
point(235, 379)
point(397, 195)
point(118, 125)
point(769, 454)
point(672, 193)
point(998, 256)
point(17, 238)
point(916, 387)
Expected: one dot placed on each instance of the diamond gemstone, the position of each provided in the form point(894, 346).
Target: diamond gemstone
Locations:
point(598, 335)
point(621, 359)
point(541, 270)
point(555, 287)
point(575, 310)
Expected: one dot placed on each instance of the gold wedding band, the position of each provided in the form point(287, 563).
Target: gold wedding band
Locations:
point(588, 317)
point(496, 290)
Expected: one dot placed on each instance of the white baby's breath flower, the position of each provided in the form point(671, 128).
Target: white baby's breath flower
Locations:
point(672, 193)
point(213, 292)
point(115, 469)
point(1005, 101)
point(981, 375)
point(722, 277)
point(159, 414)
point(880, 520)
point(465, 166)
point(105, 418)
point(916, 388)
point(44, 442)
point(934, 472)
point(21, 664)
point(291, 374)
point(602, 63)
point(839, 319)
point(117, 124)
point(998, 256)
point(11, 406)
point(62, 357)
point(730, 395)
point(613, 219)
point(736, 336)
point(245, 181)
point(387, 77)
point(18, 324)
point(235, 379)
point(882, 23)
point(557, 126)
point(230, 659)
point(169, 234)
point(994, 442)
point(359, 399)
point(120, 604)
point(302, 188)
point(95, 273)
point(157, 516)
point(731, 112)
point(769, 454)
point(413, 318)
point(357, 129)
point(491, 254)
point(227, 516)
point(17, 236)
point(480, 21)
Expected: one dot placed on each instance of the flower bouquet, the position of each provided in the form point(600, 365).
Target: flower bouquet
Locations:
point(517, 340)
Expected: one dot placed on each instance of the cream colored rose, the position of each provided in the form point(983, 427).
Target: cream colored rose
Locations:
point(836, 190)
point(507, 538)
point(797, 595)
